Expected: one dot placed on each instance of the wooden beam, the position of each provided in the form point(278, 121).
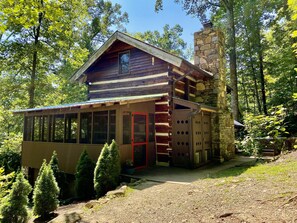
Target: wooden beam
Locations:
point(131, 79)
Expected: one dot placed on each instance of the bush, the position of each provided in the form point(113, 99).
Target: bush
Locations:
point(107, 169)
point(258, 127)
point(14, 208)
point(10, 153)
point(58, 174)
point(5, 183)
point(115, 163)
point(84, 184)
point(46, 191)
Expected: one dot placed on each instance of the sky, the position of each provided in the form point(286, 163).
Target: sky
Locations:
point(142, 17)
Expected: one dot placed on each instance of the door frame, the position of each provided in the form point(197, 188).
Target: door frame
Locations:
point(146, 137)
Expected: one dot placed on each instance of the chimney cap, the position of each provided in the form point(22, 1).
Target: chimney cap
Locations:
point(207, 24)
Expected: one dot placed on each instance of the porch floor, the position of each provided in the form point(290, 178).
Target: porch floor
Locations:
point(186, 176)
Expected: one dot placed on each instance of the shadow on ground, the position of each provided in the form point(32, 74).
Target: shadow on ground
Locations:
point(159, 174)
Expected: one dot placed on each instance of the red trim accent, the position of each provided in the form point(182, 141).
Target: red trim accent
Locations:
point(146, 137)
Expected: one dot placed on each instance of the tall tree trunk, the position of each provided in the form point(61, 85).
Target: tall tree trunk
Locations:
point(254, 76)
point(232, 56)
point(263, 91)
point(246, 99)
point(32, 86)
point(261, 70)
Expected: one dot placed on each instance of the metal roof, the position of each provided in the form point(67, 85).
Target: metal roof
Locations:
point(120, 100)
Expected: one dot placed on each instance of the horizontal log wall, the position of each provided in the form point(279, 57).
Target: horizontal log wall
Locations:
point(184, 88)
point(163, 129)
point(147, 74)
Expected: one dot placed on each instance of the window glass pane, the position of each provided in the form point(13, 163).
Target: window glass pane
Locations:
point(85, 127)
point(71, 128)
point(45, 132)
point(28, 128)
point(100, 123)
point(58, 128)
point(127, 128)
point(151, 127)
point(112, 125)
point(37, 128)
point(124, 59)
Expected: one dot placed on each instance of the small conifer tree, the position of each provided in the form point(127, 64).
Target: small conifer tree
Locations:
point(46, 191)
point(14, 206)
point(115, 163)
point(107, 171)
point(84, 184)
point(101, 173)
point(59, 175)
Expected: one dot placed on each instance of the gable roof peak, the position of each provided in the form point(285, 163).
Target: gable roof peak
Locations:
point(150, 49)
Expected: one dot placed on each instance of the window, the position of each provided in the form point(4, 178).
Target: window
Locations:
point(124, 61)
point(127, 128)
point(103, 126)
point(28, 128)
point(71, 128)
point(151, 127)
point(85, 127)
point(58, 128)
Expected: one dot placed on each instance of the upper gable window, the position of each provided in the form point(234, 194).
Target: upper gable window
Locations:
point(124, 60)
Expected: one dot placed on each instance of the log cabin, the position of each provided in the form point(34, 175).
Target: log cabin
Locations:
point(160, 108)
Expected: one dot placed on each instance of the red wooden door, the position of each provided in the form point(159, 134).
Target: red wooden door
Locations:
point(139, 139)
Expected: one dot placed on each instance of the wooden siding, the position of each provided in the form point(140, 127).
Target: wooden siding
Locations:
point(147, 75)
point(163, 129)
point(34, 152)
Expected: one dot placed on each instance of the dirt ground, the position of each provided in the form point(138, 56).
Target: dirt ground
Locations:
point(264, 193)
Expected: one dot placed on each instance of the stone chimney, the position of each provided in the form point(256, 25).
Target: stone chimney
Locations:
point(210, 56)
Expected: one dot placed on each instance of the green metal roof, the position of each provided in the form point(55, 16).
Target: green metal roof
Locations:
point(127, 99)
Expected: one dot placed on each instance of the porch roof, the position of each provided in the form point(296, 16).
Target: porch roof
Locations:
point(194, 105)
point(96, 103)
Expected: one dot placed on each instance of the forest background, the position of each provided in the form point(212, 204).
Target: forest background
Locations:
point(43, 42)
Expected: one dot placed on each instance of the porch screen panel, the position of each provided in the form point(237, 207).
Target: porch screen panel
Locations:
point(100, 125)
point(127, 128)
point(45, 129)
point(71, 128)
point(112, 125)
point(58, 128)
point(151, 127)
point(28, 128)
point(37, 128)
point(85, 127)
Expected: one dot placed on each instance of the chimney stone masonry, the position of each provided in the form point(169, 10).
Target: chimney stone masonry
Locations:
point(210, 56)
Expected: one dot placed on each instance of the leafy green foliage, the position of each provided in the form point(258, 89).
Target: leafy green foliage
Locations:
point(10, 153)
point(107, 169)
point(14, 206)
point(84, 177)
point(170, 40)
point(46, 191)
point(293, 7)
point(58, 174)
point(261, 126)
point(5, 182)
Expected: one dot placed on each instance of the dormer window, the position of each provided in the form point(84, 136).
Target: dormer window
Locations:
point(124, 61)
